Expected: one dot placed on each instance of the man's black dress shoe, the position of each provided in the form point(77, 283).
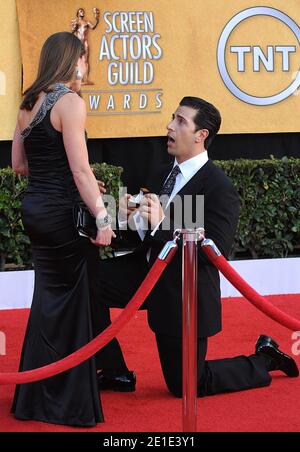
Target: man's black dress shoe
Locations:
point(116, 380)
point(277, 360)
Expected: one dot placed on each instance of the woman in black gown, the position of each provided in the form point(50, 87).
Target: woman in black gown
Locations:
point(50, 147)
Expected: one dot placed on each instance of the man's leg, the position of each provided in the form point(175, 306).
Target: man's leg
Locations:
point(235, 374)
point(113, 283)
point(170, 354)
point(109, 357)
point(214, 377)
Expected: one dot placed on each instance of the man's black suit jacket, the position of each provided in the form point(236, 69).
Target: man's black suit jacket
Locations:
point(221, 212)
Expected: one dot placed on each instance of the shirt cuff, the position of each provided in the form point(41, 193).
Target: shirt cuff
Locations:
point(156, 227)
point(122, 222)
point(140, 224)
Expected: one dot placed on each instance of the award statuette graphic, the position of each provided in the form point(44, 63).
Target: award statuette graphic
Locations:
point(81, 28)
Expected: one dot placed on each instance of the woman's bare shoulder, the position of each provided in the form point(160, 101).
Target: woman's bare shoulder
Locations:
point(70, 107)
point(71, 100)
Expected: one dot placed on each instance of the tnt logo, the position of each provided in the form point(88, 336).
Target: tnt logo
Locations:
point(258, 53)
point(259, 58)
point(2, 344)
point(2, 84)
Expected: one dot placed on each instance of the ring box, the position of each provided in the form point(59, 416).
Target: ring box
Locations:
point(135, 201)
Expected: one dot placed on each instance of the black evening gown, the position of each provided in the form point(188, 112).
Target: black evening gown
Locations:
point(60, 318)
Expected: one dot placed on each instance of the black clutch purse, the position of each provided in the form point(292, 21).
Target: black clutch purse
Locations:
point(84, 221)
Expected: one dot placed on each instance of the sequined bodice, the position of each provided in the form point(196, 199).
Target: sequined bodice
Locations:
point(49, 170)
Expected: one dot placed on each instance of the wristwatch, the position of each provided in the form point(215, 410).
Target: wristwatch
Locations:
point(103, 222)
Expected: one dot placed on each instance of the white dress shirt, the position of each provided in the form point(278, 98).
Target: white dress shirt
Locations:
point(188, 169)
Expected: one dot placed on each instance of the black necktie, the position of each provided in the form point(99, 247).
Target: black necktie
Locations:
point(166, 190)
point(170, 182)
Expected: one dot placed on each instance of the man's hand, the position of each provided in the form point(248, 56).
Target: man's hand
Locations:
point(151, 210)
point(124, 210)
point(101, 186)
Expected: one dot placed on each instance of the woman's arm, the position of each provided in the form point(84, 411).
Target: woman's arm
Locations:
point(71, 111)
point(18, 157)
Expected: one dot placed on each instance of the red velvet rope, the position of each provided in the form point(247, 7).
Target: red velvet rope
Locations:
point(248, 292)
point(154, 274)
point(97, 343)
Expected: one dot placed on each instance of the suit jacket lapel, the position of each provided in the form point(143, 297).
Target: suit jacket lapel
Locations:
point(196, 184)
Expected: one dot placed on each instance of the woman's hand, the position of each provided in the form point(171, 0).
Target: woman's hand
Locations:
point(104, 237)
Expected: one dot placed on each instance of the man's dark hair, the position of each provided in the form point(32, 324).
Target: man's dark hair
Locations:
point(207, 117)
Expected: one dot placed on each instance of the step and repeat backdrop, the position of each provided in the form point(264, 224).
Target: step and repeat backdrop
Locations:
point(10, 69)
point(145, 55)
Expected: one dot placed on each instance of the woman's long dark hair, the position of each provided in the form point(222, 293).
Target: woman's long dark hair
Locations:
point(58, 60)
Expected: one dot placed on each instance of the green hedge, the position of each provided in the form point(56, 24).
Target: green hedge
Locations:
point(269, 191)
point(111, 175)
point(269, 223)
point(14, 244)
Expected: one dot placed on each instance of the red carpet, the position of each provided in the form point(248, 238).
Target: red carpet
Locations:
point(151, 408)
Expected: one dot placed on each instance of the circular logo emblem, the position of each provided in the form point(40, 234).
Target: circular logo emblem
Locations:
point(258, 56)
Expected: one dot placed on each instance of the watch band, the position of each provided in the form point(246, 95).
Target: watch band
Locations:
point(104, 221)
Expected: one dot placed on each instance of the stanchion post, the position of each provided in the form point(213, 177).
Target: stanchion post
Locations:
point(189, 327)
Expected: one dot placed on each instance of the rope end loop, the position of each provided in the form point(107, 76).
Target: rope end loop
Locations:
point(168, 251)
point(212, 246)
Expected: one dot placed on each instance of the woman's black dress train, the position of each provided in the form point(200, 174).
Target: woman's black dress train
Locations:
point(60, 317)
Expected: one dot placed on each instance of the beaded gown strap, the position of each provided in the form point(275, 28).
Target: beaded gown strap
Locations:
point(48, 102)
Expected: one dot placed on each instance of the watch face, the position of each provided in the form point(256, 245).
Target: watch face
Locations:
point(105, 221)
